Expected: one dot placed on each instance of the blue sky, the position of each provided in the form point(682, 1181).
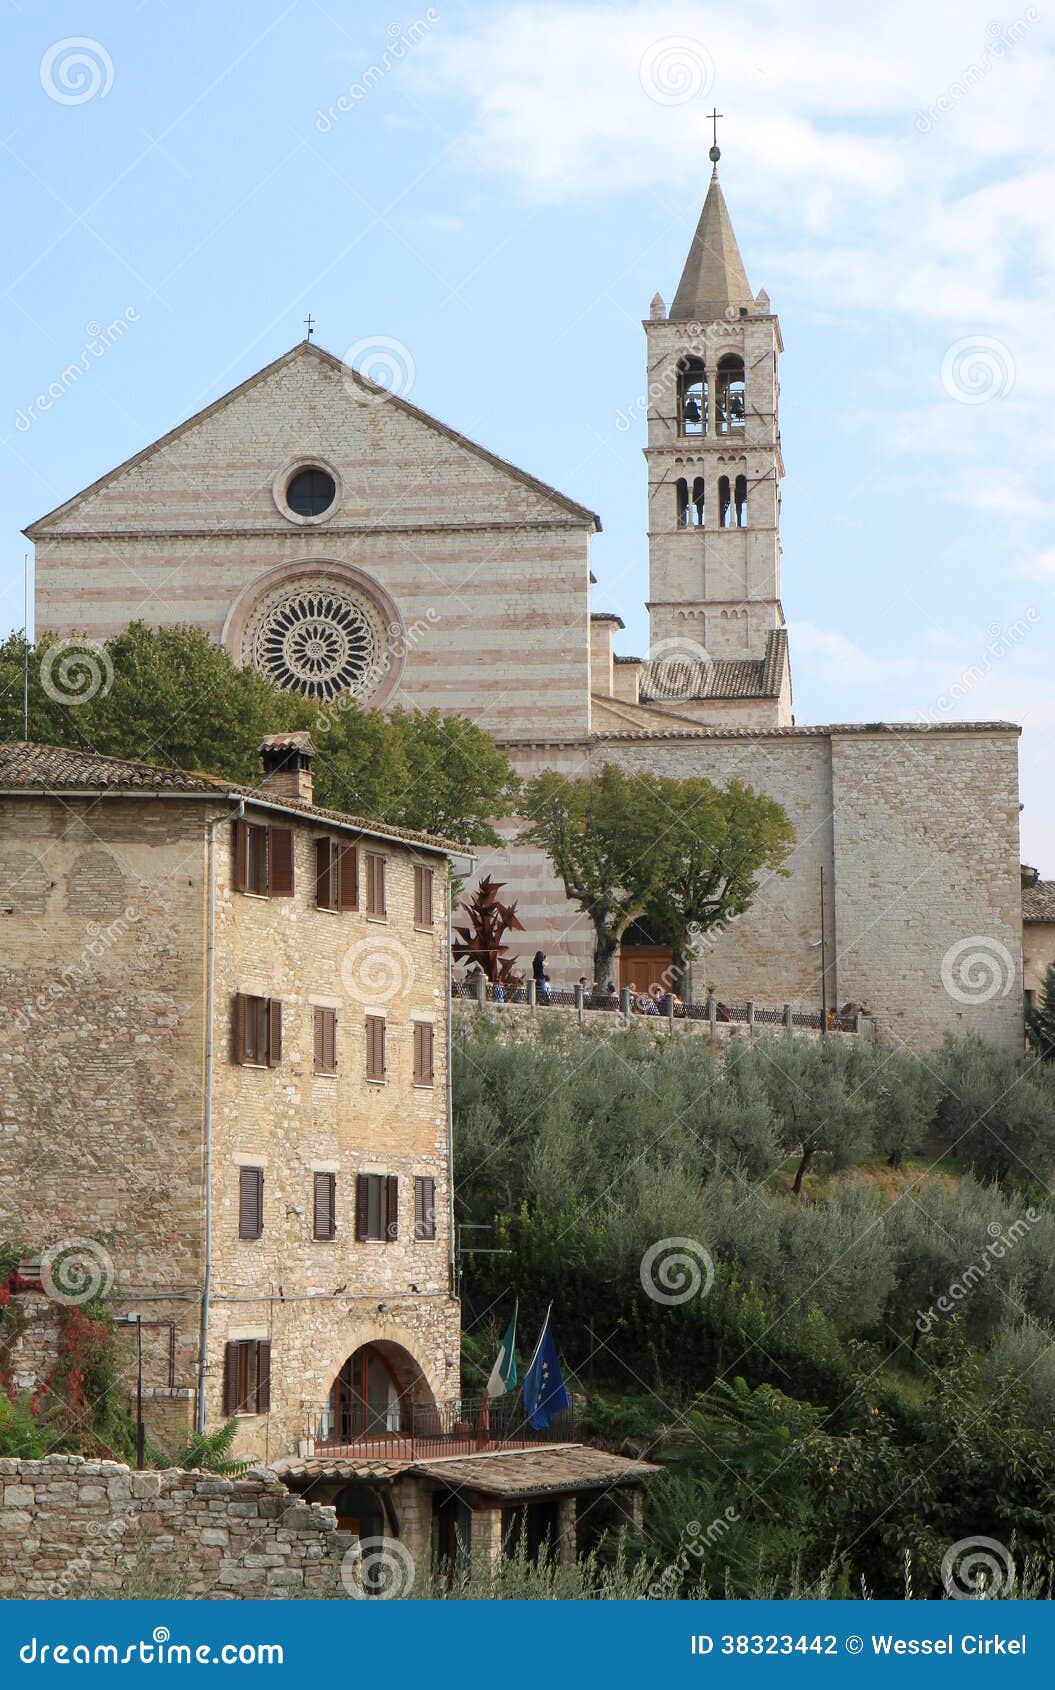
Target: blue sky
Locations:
point(500, 196)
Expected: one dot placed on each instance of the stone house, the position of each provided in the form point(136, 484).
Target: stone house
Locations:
point(309, 498)
point(223, 1071)
point(1038, 931)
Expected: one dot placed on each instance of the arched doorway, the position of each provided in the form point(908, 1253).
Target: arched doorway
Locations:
point(643, 962)
point(380, 1392)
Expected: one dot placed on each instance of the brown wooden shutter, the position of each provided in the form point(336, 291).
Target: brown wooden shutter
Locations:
point(391, 1207)
point(274, 1032)
point(280, 862)
point(238, 1014)
point(319, 1058)
point(348, 877)
point(362, 1205)
point(240, 841)
point(375, 1047)
point(250, 1202)
point(330, 1038)
point(325, 1219)
point(422, 896)
point(263, 1378)
point(423, 1053)
point(231, 1404)
point(424, 1207)
point(324, 898)
point(375, 884)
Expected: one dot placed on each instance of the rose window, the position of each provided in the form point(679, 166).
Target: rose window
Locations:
point(318, 639)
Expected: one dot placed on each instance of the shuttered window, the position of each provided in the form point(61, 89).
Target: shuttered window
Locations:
point(375, 1047)
point(375, 885)
point(423, 1046)
point(247, 1377)
point(256, 1031)
point(422, 896)
point(325, 1217)
point(336, 875)
point(325, 1040)
point(376, 1208)
point(250, 1202)
point(424, 1208)
point(263, 860)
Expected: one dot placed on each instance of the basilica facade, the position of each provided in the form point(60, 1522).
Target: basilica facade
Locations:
point(348, 545)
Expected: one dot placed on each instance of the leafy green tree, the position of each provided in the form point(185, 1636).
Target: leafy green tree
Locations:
point(599, 838)
point(708, 848)
point(173, 696)
point(998, 1111)
point(1040, 1023)
point(820, 1115)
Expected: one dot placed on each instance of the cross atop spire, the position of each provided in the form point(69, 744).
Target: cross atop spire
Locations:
point(713, 283)
point(715, 152)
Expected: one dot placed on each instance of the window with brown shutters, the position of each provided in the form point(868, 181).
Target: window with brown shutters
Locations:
point(263, 860)
point(325, 874)
point(376, 1208)
point(424, 1208)
point(422, 896)
point(375, 1047)
point(325, 1218)
point(256, 1031)
point(423, 1047)
point(250, 1202)
point(280, 862)
point(375, 886)
point(247, 1377)
point(391, 1207)
point(325, 1040)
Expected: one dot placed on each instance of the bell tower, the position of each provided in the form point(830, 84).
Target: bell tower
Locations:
point(713, 453)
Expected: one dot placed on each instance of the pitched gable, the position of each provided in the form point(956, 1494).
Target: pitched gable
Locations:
point(398, 466)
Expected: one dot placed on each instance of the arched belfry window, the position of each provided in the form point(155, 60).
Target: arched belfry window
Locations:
point(697, 500)
point(692, 395)
point(681, 489)
point(725, 504)
point(729, 409)
point(740, 501)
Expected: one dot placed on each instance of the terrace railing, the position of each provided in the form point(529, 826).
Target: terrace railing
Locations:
point(712, 1010)
point(463, 1427)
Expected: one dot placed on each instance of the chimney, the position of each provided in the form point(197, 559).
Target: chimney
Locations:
point(286, 760)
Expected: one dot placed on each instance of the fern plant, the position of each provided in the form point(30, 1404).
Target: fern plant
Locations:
point(207, 1452)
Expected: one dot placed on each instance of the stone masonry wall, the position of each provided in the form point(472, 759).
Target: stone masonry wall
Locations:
point(75, 1528)
point(316, 1301)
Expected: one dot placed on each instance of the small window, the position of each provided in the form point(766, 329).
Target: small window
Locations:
point(423, 1046)
point(250, 1202)
point(336, 875)
point(422, 896)
point(311, 491)
point(730, 407)
point(375, 885)
point(263, 860)
point(325, 1040)
point(376, 1208)
point(325, 1218)
point(375, 1047)
point(256, 1031)
point(247, 1377)
point(692, 396)
point(424, 1208)
point(681, 493)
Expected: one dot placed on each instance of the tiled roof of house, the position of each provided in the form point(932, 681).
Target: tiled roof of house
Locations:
point(28, 767)
point(500, 1472)
point(1038, 901)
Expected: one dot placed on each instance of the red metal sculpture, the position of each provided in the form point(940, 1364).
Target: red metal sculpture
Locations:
point(481, 942)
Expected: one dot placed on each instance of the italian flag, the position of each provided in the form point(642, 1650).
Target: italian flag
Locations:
point(504, 1372)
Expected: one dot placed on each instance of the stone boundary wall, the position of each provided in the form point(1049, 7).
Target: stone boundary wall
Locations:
point(76, 1528)
point(521, 1021)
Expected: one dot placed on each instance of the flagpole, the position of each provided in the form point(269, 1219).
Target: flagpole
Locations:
point(25, 652)
point(538, 1346)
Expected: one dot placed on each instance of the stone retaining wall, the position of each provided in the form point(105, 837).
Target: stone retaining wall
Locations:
point(76, 1528)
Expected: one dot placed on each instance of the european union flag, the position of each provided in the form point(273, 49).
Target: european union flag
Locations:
point(544, 1392)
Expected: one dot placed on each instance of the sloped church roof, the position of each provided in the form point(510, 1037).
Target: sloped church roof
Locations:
point(714, 281)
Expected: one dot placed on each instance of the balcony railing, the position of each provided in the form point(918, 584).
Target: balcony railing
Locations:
point(457, 1428)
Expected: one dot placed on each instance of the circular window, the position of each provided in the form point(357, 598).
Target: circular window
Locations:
point(318, 639)
point(311, 491)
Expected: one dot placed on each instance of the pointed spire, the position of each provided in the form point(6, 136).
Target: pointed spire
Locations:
point(714, 278)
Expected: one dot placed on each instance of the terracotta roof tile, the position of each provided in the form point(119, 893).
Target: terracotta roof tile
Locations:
point(1038, 901)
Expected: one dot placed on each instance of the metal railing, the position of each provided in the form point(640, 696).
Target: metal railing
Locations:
point(531, 994)
point(463, 1427)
